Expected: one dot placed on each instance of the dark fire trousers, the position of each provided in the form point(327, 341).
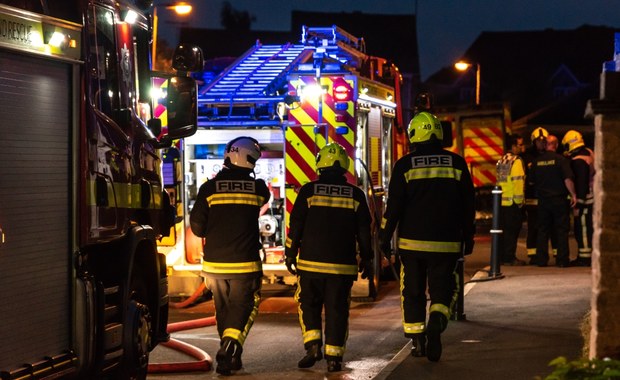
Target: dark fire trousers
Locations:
point(512, 220)
point(553, 217)
point(335, 293)
point(532, 233)
point(418, 268)
point(236, 305)
point(584, 230)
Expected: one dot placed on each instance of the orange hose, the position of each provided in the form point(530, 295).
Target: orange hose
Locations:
point(203, 364)
point(190, 300)
point(191, 324)
point(204, 361)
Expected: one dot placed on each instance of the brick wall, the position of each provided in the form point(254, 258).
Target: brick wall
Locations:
point(605, 329)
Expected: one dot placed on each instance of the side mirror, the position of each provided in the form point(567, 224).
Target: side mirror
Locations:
point(181, 104)
point(187, 58)
point(155, 126)
point(122, 117)
point(447, 134)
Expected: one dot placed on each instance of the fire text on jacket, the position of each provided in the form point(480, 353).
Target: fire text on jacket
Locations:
point(333, 190)
point(430, 161)
point(235, 186)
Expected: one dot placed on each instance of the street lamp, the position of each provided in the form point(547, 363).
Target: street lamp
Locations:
point(462, 66)
point(181, 8)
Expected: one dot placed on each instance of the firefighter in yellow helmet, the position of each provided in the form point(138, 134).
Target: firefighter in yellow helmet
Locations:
point(531, 202)
point(329, 219)
point(431, 202)
point(552, 179)
point(582, 163)
point(538, 133)
point(226, 214)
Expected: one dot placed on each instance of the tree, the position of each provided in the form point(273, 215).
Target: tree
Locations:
point(233, 19)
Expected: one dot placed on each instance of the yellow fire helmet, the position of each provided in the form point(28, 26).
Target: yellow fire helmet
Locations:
point(572, 141)
point(539, 133)
point(423, 126)
point(332, 155)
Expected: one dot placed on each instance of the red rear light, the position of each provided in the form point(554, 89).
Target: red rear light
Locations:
point(342, 93)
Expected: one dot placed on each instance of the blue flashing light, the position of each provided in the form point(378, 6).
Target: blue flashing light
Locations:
point(341, 106)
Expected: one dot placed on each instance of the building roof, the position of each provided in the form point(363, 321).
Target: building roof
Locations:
point(547, 76)
point(218, 43)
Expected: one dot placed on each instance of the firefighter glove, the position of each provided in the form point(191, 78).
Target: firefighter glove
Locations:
point(291, 264)
point(366, 269)
point(386, 248)
point(468, 246)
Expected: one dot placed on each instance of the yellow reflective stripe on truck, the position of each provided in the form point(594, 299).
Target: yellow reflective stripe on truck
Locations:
point(125, 195)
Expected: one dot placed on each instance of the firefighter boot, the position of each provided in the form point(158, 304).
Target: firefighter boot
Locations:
point(580, 262)
point(228, 357)
point(334, 364)
point(236, 363)
point(418, 345)
point(437, 323)
point(313, 355)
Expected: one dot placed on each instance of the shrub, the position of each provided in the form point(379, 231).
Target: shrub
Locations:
point(593, 369)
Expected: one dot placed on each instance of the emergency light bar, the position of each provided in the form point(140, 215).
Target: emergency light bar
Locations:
point(382, 102)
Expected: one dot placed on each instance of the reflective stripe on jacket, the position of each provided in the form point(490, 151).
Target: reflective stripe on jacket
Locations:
point(329, 222)
point(226, 215)
point(511, 178)
point(582, 163)
point(430, 201)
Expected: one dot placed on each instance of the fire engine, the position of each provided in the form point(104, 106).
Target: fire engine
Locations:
point(478, 135)
point(83, 291)
point(293, 98)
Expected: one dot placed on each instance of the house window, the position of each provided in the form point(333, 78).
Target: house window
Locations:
point(562, 91)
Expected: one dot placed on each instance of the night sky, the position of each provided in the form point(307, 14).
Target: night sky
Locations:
point(446, 28)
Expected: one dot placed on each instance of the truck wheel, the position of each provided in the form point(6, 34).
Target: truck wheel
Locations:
point(137, 341)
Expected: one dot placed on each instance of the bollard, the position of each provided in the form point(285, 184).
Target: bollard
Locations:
point(496, 232)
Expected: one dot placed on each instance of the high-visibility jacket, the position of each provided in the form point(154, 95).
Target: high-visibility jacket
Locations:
point(511, 178)
point(226, 214)
point(431, 200)
point(329, 219)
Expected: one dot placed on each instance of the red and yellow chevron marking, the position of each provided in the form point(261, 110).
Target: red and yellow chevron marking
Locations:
point(160, 111)
point(481, 144)
point(304, 138)
point(455, 148)
point(483, 147)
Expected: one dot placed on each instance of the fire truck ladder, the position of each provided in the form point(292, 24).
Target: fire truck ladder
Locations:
point(337, 43)
point(249, 90)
